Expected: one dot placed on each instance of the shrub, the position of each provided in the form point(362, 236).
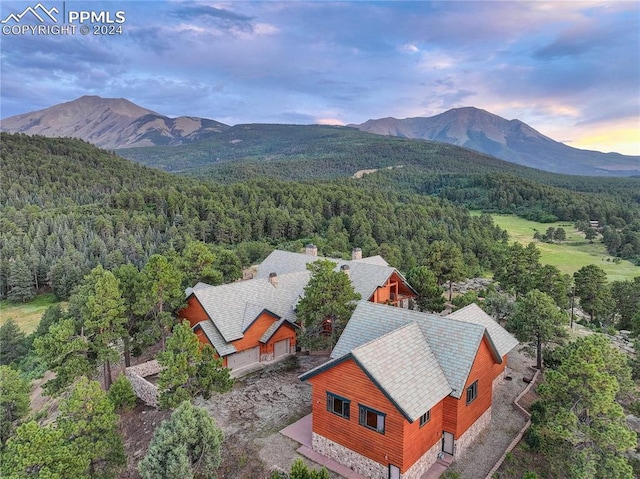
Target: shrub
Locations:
point(532, 439)
point(121, 394)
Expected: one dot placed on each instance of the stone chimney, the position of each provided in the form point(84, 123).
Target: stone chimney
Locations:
point(345, 269)
point(311, 249)
point(356, 253)
point(273, 279)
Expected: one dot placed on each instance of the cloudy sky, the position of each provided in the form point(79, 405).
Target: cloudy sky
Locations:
point(570, 69)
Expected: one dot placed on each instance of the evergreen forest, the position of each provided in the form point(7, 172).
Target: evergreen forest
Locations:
point(121, 241)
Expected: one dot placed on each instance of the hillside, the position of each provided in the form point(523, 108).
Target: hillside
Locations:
point(68, 206)
point(318, 151)
point(510, 140)
point(111, 123)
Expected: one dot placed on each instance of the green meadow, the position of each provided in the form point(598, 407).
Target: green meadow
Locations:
point(27, 315)
point(570, 255)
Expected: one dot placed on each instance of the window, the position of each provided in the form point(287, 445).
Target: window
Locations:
point(425, 418)
point(338, 405)
point(472, 392)
point(372, 419)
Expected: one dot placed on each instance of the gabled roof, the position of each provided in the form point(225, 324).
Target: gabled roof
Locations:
point(402, 365)
point(271, 330)
point(503, 341)
point(454, 343)
point(366, 274)
point(215, 338)
point(233, 307)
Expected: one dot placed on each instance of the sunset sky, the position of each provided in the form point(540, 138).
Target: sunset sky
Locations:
point(570, 69)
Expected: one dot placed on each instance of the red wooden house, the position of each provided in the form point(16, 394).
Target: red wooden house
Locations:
point(403, 387)
point(253, 321)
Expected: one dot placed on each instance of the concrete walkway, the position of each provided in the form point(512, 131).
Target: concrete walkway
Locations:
point(300, 431)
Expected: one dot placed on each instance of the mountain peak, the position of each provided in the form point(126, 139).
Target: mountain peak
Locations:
point(111, 123)
point(510, 140)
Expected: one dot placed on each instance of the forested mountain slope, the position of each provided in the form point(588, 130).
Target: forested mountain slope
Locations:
point(68, 206)
point(464, 176)
point(315, 149)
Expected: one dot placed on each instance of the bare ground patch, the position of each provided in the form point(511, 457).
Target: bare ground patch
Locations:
point(250, 415)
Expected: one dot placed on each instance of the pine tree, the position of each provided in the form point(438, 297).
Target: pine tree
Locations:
point(89, 423)
point(189, 369)
point(41, 451)
point(100, 308)
point(20, 282)
point(161, 293)
point(429, 293)
point(593, 290)
point(122, 395)
point(186, 445)
point(14, 401)
point(446, 261)
point(578, 424)
point(13, 343)
point(327, 305)
point(536, 318)
point(65, 352)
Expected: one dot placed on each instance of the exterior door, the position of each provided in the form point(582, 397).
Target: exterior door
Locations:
point(243, 358)
point(281, 348)
point(394, 472)
point(447, 442)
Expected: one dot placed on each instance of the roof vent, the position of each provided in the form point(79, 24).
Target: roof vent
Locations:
point(273, 279)
point(311, 249)
point(345, 269)
point(356, 253)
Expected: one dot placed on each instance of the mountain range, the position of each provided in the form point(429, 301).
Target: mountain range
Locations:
point(111, 123)
point(118, 123)
point(509, 140)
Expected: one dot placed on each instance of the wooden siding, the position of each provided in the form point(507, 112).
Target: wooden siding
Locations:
point(286, 331)
point(392, 291)
point(349, 381)
point(252, 336)
point(458, 415)
point(193, 312)
point(498, 369)
point(418, 440)
point(202, 337)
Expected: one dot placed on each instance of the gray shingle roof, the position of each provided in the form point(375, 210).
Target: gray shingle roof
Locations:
point(454, 343)
point(503, 341)
point(271, 330)
point(366, 274)
point(233, 307)
point(284, 262)
point(215, 338)
point(406, 370)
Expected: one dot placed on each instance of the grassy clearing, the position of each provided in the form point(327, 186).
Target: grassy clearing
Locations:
point(572, 254)
point(27, 315)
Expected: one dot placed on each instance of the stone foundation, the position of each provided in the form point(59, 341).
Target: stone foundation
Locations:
point(368, 467)
point(351, 459)
point(144, 389)
point(424, 463)
point(472, 433)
